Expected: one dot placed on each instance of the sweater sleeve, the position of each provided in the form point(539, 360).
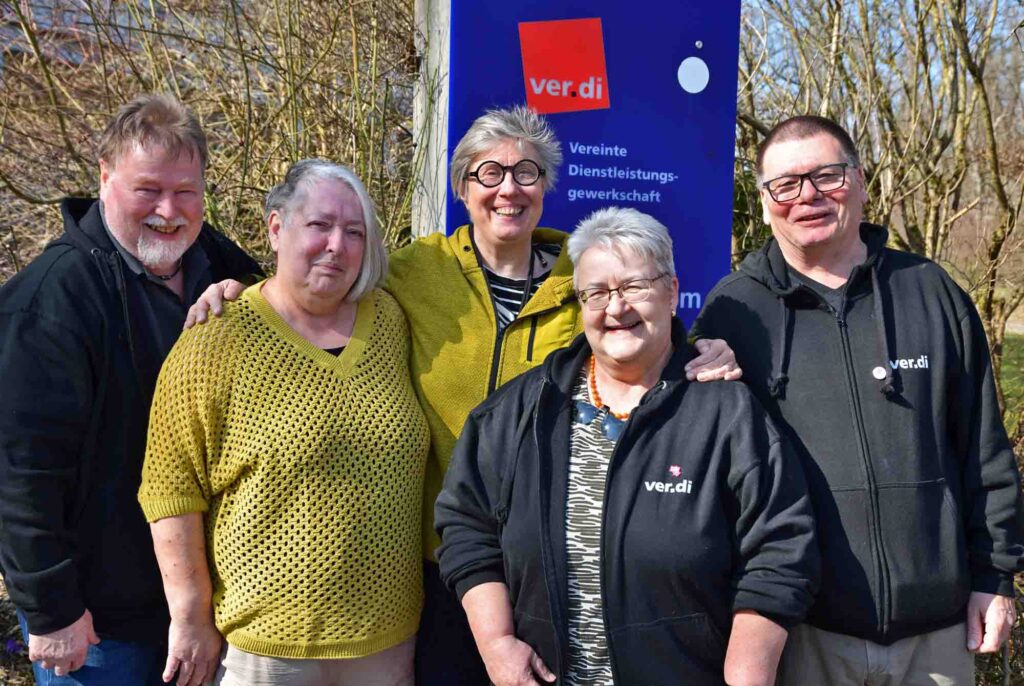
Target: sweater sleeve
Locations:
point(50, 381)
point(175, 477)
point(992, 492)
point(778, 563)
point(466, 513)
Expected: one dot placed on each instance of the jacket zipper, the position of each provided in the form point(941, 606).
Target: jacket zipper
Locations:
point(499, 333)
point(499, 336)
point(881, 563)
point(660, 385)
point(533, 335)
point(123, 292)
point(601, 557)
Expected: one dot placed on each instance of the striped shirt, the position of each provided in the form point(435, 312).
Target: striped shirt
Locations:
point(507, 294)
point(588, 662)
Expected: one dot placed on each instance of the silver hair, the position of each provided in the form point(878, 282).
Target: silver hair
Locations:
point(623, 228)
point(518, 124)
point(299, 179)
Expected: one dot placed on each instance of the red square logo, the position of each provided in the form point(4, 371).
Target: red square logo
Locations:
point(563, 65)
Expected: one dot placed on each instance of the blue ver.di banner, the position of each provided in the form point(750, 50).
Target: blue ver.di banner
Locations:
point(642, 97)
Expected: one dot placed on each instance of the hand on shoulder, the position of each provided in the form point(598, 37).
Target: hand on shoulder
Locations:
point(211, 302)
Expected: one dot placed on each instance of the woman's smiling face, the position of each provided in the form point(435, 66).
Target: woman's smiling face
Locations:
point(508, 213)
point(627, 334)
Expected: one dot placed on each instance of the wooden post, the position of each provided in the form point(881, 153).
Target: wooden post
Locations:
point(430, 116)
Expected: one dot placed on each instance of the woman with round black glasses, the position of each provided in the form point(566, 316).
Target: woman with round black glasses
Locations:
point(605, 521)
point(484, 304)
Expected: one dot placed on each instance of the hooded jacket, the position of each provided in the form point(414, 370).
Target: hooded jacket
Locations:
point(74, 410)
point(891, 403)
point(676, 562)
point(458, 356)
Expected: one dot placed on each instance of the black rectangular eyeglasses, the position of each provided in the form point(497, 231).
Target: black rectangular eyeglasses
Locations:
point(826, 178)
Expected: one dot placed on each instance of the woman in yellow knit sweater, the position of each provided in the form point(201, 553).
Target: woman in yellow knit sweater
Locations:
point(285, 462)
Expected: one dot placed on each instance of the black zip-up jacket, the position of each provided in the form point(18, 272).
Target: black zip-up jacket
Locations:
point(891, 404)
point(676, 562)
point(73, 416)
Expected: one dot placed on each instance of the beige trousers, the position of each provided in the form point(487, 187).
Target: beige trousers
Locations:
point(390, 667)
point(815, 656)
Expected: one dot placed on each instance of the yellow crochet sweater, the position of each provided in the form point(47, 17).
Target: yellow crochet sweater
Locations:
point(310, 470)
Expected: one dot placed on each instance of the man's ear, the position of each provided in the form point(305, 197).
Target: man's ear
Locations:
point(765, 199)
point(106, 169)
point(863, 189)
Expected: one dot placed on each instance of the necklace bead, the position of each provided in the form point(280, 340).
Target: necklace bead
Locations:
point(595, 396)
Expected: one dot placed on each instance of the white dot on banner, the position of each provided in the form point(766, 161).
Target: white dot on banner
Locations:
point(693, 75)
point(699, 44)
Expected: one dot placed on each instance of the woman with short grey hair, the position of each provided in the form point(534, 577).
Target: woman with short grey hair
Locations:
point(518, 124)
point(485, 304)
point(624, 228)
point(605, 521)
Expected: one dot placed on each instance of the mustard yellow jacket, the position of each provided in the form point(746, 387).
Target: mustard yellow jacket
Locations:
point(457, 358)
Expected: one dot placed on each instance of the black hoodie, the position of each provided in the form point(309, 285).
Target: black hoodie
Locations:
point(892, 405)
point(74, 407)
point(675, 565)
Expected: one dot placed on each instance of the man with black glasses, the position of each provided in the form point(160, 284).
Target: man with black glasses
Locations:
point(877, 364)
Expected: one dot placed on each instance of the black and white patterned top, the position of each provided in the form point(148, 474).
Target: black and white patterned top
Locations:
point(588, 663)
point(507, 294)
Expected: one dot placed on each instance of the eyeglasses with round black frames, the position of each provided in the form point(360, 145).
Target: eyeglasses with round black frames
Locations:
point(825, 179)
point(490, 173)
point(635, 291)
point(611, 426)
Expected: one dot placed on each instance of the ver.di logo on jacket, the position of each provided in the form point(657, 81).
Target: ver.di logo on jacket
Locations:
point(920, 362)
point(684, 486)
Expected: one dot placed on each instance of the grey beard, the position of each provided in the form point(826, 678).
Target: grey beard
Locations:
point(156, 252)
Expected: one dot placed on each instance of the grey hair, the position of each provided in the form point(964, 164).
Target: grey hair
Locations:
point(519, 124)
point(154, 120)
point(623, 228)
point(299, 179)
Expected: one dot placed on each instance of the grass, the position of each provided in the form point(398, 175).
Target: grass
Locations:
point(991, 669)
point(14, 667)
point(1013, 378)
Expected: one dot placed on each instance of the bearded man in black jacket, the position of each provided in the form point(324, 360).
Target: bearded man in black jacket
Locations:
point(876, 363)
point(84, 329)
